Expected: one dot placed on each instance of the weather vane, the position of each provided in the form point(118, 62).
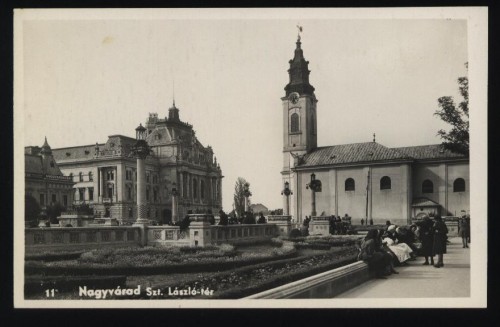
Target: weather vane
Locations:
point(300, 31)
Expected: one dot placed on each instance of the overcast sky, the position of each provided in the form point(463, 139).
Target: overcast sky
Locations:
point(85, 79)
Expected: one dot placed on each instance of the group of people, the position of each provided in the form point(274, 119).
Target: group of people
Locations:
point(383, 249)
point(338, 225)
point(246, 218)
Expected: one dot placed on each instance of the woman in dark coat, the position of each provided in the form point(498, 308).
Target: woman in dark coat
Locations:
point(439, 246)
point(374, 256)
point(464, 231)
point(427, 239)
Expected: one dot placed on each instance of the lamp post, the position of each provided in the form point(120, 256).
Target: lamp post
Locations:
point(286, 192)
point(315, 186)
point(141, 150)
point(246, 194)
point(175, 193)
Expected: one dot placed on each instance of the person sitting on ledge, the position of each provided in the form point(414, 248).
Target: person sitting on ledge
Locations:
point(401, 250)
point(372, 253)
point(262, 219)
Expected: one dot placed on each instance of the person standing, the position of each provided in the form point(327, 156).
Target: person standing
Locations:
point(464, 231)
point(427, 239)
point(439, 246)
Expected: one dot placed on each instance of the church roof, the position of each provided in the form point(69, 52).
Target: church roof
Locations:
point(350, 154)
point(33, 164)
point(433, 151)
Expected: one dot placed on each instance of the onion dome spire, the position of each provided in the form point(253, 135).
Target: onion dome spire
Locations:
point(299, 73)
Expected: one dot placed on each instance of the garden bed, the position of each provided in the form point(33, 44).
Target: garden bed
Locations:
point(152, 260)
point(249, 280)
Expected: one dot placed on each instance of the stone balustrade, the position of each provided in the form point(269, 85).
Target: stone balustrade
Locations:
point(283, 222)
point(80, 237)
point(199, 233)
point(167, 235)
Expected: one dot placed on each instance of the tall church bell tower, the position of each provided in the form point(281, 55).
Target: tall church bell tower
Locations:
point(299, 124)
point(299, 110)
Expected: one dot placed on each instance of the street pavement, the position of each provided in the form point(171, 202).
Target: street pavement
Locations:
point(418, 281)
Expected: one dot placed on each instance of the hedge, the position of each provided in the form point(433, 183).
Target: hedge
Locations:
point(190, 267)
point(277, 280)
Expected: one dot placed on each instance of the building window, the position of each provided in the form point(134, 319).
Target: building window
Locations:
point(91, 177)
point(385, 183)
point(147, 194)
point(54, 198)
point(202, 189)
point(427, 186)
point(42, 199)
point(130, 213)
point(71, 175)
point(350, 185)
point(294, 123)
point(147, 177)
point(127, 174)
point(155, 195)
point(65, 201)
point(110, 191)
point(459, 185)
point(110, 175)
point(81, 193)
point(80, 177)
point(91, 194)
point(52, 164)
point(129, 192)
point(195, 188)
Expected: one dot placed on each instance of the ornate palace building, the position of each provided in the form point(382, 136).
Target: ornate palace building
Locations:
point(43, 178)
point(364, 180)
point(105, 173)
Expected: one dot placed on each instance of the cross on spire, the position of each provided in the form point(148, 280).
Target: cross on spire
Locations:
point(300, 31)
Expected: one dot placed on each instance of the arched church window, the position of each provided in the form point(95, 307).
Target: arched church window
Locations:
point(459, 185)
point(427, 186)
point(385, 183)
point(294, 123)
point(350, 185)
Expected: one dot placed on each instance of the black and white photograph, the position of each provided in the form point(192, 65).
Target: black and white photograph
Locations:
point(250, 158)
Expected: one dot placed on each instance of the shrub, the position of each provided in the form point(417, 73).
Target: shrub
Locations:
point(295, 233)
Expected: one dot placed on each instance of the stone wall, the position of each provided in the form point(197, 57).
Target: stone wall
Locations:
point(80, 237)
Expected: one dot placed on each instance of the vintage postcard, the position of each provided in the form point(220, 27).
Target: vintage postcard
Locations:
point(250, 158)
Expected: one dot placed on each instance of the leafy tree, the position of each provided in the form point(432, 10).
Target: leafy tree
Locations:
point(457, 139)
point(239, 196)
point(31, 208)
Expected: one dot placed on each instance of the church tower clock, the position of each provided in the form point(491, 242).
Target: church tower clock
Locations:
point(299, 122)
point(299, 110)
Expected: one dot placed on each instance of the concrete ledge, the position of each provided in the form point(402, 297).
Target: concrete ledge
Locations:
point(324, 285)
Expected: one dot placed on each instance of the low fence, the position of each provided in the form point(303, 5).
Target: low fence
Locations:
point(80, 237)
point(235, 234)
point(165, 235)
point(199, 233)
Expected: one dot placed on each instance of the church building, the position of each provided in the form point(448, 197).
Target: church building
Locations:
point(105, 173)
point(366, 181)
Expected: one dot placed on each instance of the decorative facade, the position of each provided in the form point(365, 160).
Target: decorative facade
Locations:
point(364, 180)
point(106, 174)
point(43, 178)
